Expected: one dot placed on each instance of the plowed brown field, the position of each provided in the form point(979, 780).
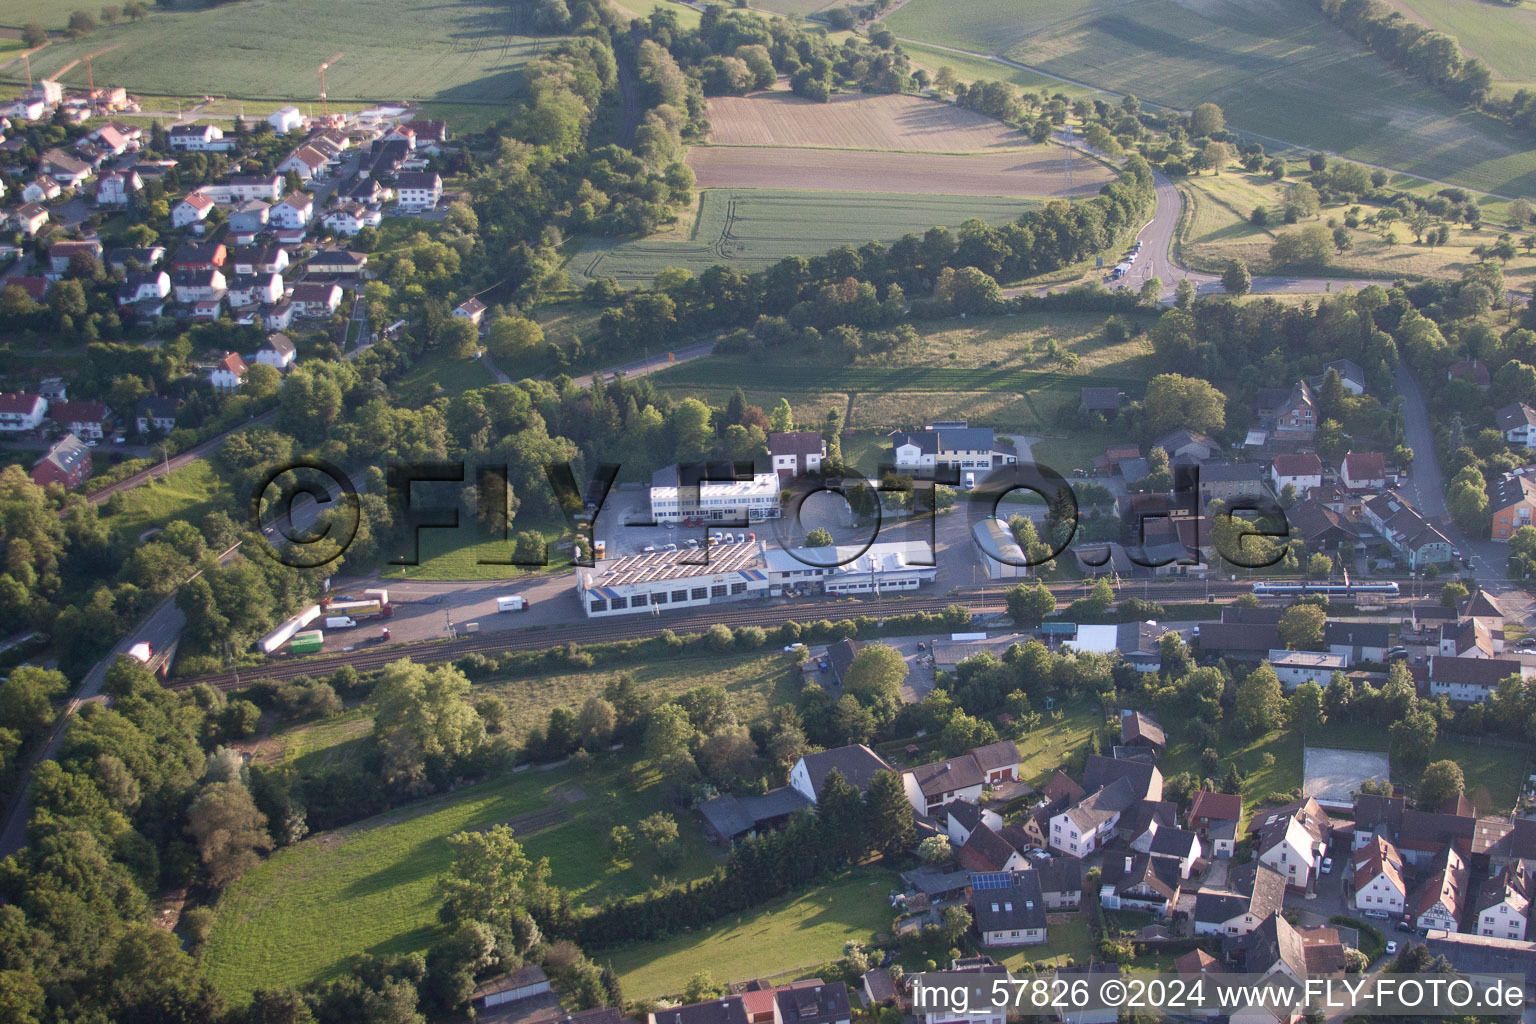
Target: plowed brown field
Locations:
point(1036, 172)
point(856, 121)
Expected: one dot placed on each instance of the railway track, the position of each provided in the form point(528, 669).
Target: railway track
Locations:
point(977, 601)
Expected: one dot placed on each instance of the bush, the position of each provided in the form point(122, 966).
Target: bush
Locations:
point(719, 637)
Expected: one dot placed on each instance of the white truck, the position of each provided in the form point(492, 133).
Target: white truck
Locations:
point(511, 604)
point(340, 622)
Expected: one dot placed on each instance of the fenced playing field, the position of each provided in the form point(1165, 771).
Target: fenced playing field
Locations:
point(753, 228)
point(467, 51)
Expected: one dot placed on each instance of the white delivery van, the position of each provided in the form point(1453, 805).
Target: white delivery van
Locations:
point(511, 604)
point(340, 622)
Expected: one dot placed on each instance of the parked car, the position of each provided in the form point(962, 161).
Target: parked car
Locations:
point(793, 647)
point(1327, 865)
point(1405, 925)
point(1392, 948)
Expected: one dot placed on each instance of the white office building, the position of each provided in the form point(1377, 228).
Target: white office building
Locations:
point(882, 568)
point(724, 499)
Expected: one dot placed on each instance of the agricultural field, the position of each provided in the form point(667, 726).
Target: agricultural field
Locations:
point(978, 68)
point(754, 228)
point(1039, 171)
point(369, 887)
point(469, 51)
point(785, 936)
point(856, 121)
point(998, 370)
point(1501, 36)
point(52, 14)
point(1218, 231)
point(1277, 69)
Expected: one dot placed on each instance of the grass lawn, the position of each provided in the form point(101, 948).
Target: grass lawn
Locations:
point(436, 374)
point(797, 931)
point(469, 51)
point(1046, 747)
point(1503, 37)
point(687, 17)
point(969, 68)
point(755, 228)
point(1277, 71)
point(189, 493)
point(370, 887)
point(458, 554)
point(317, 746)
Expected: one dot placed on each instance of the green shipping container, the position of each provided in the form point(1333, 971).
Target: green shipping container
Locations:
point(307, 643)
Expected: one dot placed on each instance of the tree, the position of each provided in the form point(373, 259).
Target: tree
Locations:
point(490, 880)
point(1307, 711)
point(782, 418)
point(1206, 119)
point(820, 537)
point(669, 738)
point(1301, 627)
point(425, 724)
point(1027, 606)
point(934, 850)
point(876, 675)
point(33, 35)
point(892, 829)
point(1413, 736)
point(81, 23)
point(229, 830)
point(511, 339)
point(1174, 400)
point(1184, 293)
point(1451, 593)
point(1442, 781)
point(1235, 279)
point(1260, 701)
point(1216, 155)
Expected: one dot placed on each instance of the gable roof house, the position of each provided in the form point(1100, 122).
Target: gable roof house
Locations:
point(1232, 481)
point(86, 420)
point(1502, 908)
point(1363, 471)
point(1291, 415)
point(960, 447)
point(1517, 421)
point(29, 218)
point(1440, 899)
point(115, 188)
point(157, 413)
point(1139, 882)
point(930, 786)
point(1243, 909)
point(315, 299)
point(255, 290)
point(198, 137)
point(857, 763)
point(1470, 680)
point(960, 819)
point(294, 211)
point(61, 253)
point(1357, 641)
point(817, 1003)
point(306, 161)
point(1467, 638)
point(1350, 375)
point(1511, 504)
point(21, 412)
point(1011, 916)
point(65, 169)
point(1215, 817)
point(199, 255)
point(1104, 401)
point(1406, 531)
point(1302, 472)
point(144, 286)
point(339, 262)
point(985, 849)
point(1291, 840)
point(193, 208)
point(227, 376)
point(1139, 729)
point(248, 218)
point(418, 190)
point(728, 818)
point(999, 762)
point(199, 285)
point(278, 351)
point(41, 189)
point(146, 257)
point(1380, 889)
point(796, 452)
point(1184, 445)
point(67, 463)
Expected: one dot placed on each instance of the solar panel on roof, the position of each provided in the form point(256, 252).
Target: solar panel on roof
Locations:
point(985, 881)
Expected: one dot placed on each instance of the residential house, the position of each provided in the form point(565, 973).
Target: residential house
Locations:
point(1059, 793)
point(1357, 641)
point(1511, 500)
point(1184, 445)
point(1139, 729)
point(228, 374)
point(65, 169)
point(1363, 471)
point(418, 190)
point(471, 309)
point(1483, 606)
point(61, 253)
point(315, 299)
point(279, 317)
point(985, 850)
point(1423, 834)
point(1011, 914)
point(1232, 483)
point(157, 414)
point(21, 412)
point(1377, 816)
point(29, 218)
point(1139, 882)
point(363, 191)
point(285, 120)
point(128, 258)
point(41, 189)
point(1380, 890)
point(840, 656)
point(294, 211)
point(350, 218)
point(200, 285)
point(960, 819)
point(1170, 843)
point(1289, 414)
point(67, 463)
point(1441, 898)
point(115, 188)
point(1486, 955)
point(1406, 531)
point(728, 818)
point(306, 161)
point(725, 1010)
point(1292, 839)
point(1517, 422)
point(151, 286)
point(86, 420)
point(1297, 667)
point(248, 218)
point(193, 208)
point(1503, 904)
point(1350, 375)
point(999, 762)
point(26, 108)
point(1467, 638)
point(255, 290)
point(931, 786)
point(1215, 818)
point(200, 256)
point(278, 352)
point(194, 138)
point(1470, 680)
point(34, 287)
point(1301, 472)
point(1243, 909)
point(796, 453)
point(857, 764)
point(1113, 786)
point(1474, 371)
point(260, 258)
point(955, 446)
point(811, 1004)
point(1104, 401)
point(338, 262)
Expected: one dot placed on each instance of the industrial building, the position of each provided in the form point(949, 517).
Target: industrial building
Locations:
point(663, 580)
point(1000, 552)
point(880, 568)
point(720, 499)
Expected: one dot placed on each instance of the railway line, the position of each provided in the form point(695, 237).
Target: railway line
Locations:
point(981, 600)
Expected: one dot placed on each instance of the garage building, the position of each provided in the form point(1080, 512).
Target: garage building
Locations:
point(663, 580)
point(997, 543)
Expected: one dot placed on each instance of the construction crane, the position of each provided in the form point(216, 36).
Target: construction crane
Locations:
point(325, 107)
point(63, 70)
point(90, 78)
